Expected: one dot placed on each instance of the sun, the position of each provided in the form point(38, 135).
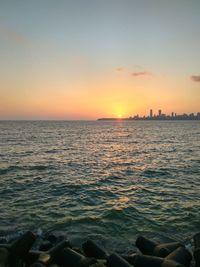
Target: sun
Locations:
point(119, 116)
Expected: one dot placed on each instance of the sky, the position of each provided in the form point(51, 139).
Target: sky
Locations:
point(85, 59)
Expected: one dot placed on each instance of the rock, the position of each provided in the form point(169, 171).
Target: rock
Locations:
point(52, 239)
point(72, 258)
point(179, 257)
point(3, 257)
point(117, 261)
point(91, 249)
point(196, 239)
point(130, 258)
point(46, 245)
point(19, 249)
point(37, 264)
point(149, 247)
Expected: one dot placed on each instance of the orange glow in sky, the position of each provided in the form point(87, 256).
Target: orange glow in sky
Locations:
point(70, 60)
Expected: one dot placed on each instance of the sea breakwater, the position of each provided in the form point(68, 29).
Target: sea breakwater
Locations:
point(57, 251)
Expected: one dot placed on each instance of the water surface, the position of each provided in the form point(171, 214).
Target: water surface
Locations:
point(108, 180)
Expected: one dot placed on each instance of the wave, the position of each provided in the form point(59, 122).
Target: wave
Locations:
point(154, 173)
point(9, 169)
point(15, 168)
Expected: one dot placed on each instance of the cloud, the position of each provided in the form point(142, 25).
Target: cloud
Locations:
point(135, 73)
point(195, 78)
point(139, 73)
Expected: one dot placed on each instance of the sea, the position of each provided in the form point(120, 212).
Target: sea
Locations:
point(109, 181)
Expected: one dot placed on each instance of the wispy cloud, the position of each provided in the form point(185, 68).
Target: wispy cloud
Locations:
point(133, 73)
point(195, 78)
point(139, 73)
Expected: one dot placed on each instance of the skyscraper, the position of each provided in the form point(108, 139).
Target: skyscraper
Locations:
point(159, 112)
point(151, 113)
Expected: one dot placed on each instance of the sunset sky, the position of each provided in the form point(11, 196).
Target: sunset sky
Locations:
point(85, 59)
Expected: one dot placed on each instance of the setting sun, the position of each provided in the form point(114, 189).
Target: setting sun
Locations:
point(94, 68)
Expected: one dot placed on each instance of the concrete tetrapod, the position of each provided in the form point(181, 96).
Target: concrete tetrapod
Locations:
point(91, 249)
point(197, 249)
point(38, 264)
point(149, 247)
point(71, 258)
point(19, 249)
point(117, 261)
point(130, 257)
point(52, 255)
point(179, 257)
point(4, 254)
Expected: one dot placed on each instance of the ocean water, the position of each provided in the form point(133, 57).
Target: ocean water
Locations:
point(107, 180)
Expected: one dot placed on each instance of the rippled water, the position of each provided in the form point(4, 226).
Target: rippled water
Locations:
point(107, 180)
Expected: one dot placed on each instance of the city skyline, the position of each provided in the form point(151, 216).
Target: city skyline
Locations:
point(91, 59)
point(159, 116)
point(173, 114)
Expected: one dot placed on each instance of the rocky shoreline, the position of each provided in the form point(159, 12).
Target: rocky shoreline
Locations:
point(57, 251)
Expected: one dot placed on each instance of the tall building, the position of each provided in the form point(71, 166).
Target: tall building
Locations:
point(151, 113)
point(159, 112)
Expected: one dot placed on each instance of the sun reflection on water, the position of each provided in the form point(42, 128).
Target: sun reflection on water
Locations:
point(121, 203)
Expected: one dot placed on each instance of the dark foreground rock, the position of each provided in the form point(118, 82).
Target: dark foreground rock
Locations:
point(56, 252)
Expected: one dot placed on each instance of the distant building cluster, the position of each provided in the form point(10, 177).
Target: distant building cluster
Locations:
point(162, 116)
